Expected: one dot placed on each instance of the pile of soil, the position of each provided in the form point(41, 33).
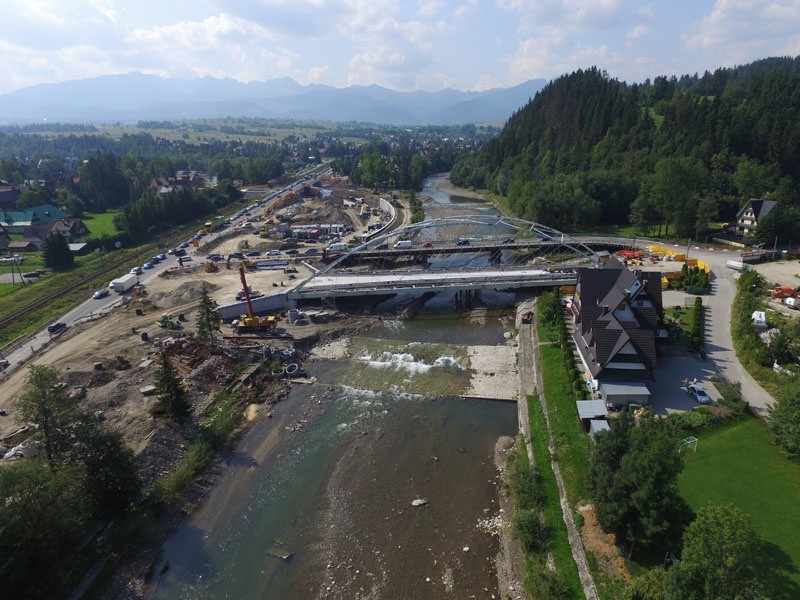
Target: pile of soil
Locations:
point(188, 291)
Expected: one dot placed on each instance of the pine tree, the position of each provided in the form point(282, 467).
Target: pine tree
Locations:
point(57, 254)
point(207, 318)
point(171, 394)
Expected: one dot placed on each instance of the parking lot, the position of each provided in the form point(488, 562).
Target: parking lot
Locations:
point(669, 393)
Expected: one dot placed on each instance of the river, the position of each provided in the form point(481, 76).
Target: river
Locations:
point(376, 482)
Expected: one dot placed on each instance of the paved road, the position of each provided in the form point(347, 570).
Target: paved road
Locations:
point(719, 344)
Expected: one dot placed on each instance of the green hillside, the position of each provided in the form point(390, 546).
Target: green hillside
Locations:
point(672, 156)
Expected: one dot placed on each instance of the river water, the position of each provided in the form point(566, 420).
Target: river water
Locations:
point(317, 501)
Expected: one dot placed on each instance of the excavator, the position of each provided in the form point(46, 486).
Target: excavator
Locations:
point(252, 323)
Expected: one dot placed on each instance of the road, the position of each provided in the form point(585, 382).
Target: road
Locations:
point(94, 307)
point(719, 343)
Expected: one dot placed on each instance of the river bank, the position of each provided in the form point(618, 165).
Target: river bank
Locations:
point(441, 182)
point(358, 531)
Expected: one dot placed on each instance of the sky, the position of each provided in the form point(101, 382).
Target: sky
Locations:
point(400, 44)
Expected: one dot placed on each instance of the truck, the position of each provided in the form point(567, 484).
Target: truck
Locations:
point(403, 245)
point(124, 283)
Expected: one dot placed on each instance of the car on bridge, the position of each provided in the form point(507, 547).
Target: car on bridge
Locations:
point(462, 242)
point(427, 245)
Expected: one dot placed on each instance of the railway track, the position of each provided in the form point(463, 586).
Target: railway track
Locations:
point(68, 288)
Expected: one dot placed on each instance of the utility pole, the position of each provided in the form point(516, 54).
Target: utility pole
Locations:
point(774, 247)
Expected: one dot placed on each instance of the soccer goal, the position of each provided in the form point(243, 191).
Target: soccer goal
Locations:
point(689, 443)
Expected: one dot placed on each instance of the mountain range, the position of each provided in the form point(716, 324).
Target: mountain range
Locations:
point(134, 97)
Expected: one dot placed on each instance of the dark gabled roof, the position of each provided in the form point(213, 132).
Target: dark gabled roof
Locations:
point(601, 335)
point(761, 208)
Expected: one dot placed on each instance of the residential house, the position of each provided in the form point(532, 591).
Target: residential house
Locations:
point(71, 228)
point(17, 221)
point(753, 210)
point(33, 237)
point(618, 318)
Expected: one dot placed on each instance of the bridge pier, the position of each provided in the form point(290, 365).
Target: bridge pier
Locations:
point(463, 299)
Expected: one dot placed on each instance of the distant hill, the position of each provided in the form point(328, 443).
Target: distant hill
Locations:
point(134, 97)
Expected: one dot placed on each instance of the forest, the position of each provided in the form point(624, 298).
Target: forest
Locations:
point(674, 157)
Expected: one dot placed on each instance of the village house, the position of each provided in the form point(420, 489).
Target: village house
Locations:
point(753, 210)
point(618, 319)
point(17, 221)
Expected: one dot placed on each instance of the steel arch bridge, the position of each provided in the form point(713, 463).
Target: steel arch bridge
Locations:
point(525, 242)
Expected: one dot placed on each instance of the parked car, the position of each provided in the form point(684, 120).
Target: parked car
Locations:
point(101, 293)
point(162, 257)
point(56, 327)
point(699, 394)
point(274, 253)
point(311, 251)
point(291, 251)
point(253, 253)
point(183, 245)
point(148, 265)
point(137, 271)
point(31, 274)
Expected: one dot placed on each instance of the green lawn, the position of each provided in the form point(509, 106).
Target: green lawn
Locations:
point(100, 224)
point(573, 446)
point(559, 542)
point(740, 465)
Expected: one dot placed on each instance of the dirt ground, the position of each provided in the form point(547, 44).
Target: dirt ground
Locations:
point(113, 359)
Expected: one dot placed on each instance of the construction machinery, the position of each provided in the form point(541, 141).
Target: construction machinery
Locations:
point(784, 291)
point(167, 321)
point(211, 267)
point(251, 323)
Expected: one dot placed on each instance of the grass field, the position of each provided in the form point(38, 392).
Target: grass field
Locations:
point(100, 224)
point(573, 446)
point(559, 542)
point(740, 465)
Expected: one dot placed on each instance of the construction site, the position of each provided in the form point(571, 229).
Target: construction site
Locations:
point(110, 360)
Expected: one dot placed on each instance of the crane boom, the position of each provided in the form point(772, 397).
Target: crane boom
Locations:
point(246, 293)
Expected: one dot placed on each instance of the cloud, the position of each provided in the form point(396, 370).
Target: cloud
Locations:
point(220, 46)
point(735, 23)
point(462, 10)
point(298, 18)
point(636, 33)
point(429, 7)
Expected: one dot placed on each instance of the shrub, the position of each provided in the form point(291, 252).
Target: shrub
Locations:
point(550, 586)
point(532, 532)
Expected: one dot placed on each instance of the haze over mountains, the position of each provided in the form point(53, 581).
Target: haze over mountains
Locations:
point(134, 97)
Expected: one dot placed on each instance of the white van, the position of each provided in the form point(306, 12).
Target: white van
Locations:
point(403, 245)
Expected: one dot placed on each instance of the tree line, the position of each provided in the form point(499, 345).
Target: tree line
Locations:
point(82, 476)
point(671, 156)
